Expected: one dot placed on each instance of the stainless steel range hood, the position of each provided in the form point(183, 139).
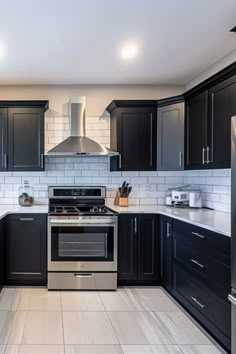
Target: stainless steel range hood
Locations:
point(78, 143)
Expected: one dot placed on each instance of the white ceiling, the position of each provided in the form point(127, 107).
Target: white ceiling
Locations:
point(79, 41)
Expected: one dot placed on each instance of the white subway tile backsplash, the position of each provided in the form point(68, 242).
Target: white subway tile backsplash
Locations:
point(149, 187)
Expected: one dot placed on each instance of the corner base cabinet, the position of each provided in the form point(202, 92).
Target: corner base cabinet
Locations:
point(26, 249)
point(138, 249)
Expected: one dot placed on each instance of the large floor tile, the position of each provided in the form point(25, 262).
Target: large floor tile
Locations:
point(88, 328)
point(37, 327)
point(35, 349)
point(2, 349)
point(93, 349)
point(138, 328)
point(9, 299)
point(6, 321)
point(200, 349)
point(121, 300)
point(81, 301)
point(39, 300)
point(182, 330)
point(151, 349)
point(153, 299)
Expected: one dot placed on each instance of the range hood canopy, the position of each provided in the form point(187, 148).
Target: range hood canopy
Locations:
point(78, 143)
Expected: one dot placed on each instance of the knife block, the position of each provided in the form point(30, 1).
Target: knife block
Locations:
point(122, 202)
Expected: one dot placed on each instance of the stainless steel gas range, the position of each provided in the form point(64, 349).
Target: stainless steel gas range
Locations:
point(82, 239)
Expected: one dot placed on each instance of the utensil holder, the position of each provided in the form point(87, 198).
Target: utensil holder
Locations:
point(120, 201)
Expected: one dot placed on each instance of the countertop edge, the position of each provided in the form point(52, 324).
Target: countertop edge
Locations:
point(208, 214)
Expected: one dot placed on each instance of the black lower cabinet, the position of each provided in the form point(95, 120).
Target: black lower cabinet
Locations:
point(2, 253)
point(26, 249)
point(148, 248)
point(201, 277)
point(165, 225)
point(138, 249)
point(127, 247)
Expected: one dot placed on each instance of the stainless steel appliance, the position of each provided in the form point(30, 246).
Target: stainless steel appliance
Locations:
point(82, 239)
point(232, 296)
point(78, 143)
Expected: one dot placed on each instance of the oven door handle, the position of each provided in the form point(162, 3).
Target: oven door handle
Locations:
point(81, 222)
point(83, 275)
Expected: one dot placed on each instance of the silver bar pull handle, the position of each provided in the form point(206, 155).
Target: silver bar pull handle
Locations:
point(203, 156)
point(199, 235)
point(208, 155)
point(26, 219)
point(168, 232)
point(83, 275)
point(197, 263)
point(232, 299)
point(135, 225)
point(120, 160)
point(151, 140)
point(41, 160)
point(5, 161)
point(180, 159)
point(198, 302)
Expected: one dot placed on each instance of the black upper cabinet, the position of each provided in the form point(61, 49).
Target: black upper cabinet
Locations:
point(26, 139)
point(26, 249)
point(3, 137)
point(222, 106)
point(133, 135)
point(127, 247)
point(196, 122)
point(166, 251)
point(170, 136)
point(148, 248)
point(22, 135)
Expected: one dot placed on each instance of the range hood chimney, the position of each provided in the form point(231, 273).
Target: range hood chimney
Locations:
point(78, 143)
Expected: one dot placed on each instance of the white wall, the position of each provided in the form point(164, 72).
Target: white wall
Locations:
point(227, 60)
point(98, 96)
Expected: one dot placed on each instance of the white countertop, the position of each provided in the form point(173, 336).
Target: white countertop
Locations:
point(209, 219)
point(15, 209)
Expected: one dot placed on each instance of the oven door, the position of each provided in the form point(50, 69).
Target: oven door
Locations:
point(82, 246)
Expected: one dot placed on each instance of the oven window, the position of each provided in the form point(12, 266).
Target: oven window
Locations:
point(90, 243)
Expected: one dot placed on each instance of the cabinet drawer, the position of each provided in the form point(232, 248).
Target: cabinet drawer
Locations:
point(210, 243)
point(203, 264)
point(215, 309)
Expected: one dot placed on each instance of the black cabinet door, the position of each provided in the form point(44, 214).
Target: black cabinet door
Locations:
point(137, 128)
point(170, 137)
point(148, 248)
point(222, 99)
point(26, 249)
point(133, 135)
point(3, 137)
point(196, 131)
point(25, 139)
point(2, 253)
point(166, 251)
point(127, 247)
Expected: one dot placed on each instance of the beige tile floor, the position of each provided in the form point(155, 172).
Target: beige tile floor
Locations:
point(129, 321)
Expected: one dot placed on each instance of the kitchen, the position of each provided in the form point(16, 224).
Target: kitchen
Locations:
point(115, 190)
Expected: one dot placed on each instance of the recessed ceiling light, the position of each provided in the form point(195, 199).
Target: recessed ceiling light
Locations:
point(129, 51)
